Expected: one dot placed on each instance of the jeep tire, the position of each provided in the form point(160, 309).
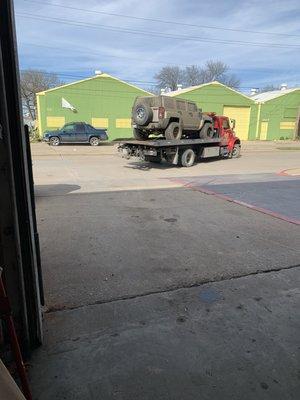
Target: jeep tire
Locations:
point(142, 114)
point(139, 134)
point(206, 131)
point(173, 131)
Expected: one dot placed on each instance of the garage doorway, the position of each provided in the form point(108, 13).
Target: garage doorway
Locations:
point(242, 120)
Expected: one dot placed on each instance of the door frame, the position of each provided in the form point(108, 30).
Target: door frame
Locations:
point(19, 254)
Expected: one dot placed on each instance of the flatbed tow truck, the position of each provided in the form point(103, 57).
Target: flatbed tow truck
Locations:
point(185, 152)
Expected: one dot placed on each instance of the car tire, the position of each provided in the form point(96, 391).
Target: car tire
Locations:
point(236, 151)
point(142, 114)
point(54, 141)
point(173, 131)
point(187, 158)
point(153, 159)
point(206, 132)
point(139, 134)
point(94, 141)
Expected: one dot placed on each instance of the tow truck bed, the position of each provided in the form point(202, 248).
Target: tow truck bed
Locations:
point(171, 143)
point(182, 152)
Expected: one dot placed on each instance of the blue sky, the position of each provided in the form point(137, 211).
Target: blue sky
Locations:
point(75, 51)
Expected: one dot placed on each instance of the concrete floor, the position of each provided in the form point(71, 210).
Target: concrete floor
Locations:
point(156, 291)
point(236, 339)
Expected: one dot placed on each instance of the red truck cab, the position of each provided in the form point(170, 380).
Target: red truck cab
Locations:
point(224, 128)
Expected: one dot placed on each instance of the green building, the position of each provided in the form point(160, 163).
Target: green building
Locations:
point(103, 101)
point(221, 99)
point(278, 114)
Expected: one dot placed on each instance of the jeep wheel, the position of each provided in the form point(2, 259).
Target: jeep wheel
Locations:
point(173, 131)
point(142, 114)
point(139, 134)
point(187, 158)
point(206, 131)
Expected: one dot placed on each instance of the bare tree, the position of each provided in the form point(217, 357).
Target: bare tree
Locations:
point(193, 76)
point(214, 70)
point(32, 82)
point(152, 89)
point(218, 71)
point(169, 77)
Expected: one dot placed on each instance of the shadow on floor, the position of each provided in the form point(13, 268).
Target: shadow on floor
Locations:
point(54, 190)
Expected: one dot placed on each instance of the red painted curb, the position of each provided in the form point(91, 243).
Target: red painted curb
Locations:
point(284, 172)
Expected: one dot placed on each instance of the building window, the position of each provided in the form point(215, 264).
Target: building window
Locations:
point(287, 125)
point(55, 122)
point(100, 122)
point(123, 123)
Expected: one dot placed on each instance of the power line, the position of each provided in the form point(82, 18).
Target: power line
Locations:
point(155, 34)
point(162, 21)
point(108, 55)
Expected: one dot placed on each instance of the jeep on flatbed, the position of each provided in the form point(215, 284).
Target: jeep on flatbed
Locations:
point(185, 152)
point(170, 117)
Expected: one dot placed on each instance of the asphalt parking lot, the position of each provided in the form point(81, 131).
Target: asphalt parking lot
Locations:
point(168, 283)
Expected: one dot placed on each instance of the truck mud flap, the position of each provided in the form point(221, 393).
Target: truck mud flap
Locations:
point(175, 159)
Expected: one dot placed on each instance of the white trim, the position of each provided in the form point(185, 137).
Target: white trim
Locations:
point(278, 93)
point(94, 77)
point(191, 88)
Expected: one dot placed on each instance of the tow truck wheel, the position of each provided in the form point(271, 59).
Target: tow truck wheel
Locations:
point(187, 158)
point(236, 151)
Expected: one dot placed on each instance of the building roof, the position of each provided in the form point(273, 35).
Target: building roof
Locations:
point(100, 76)
point(266, 96)
point(191, 88)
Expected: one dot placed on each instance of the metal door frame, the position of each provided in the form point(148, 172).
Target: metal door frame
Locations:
point(19, 254)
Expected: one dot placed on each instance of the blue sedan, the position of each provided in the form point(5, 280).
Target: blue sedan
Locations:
point(76, 132)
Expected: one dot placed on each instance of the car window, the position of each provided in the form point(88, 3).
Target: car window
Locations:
point(192, 107)
point(225, 124)
point(91, 128)
point(168, 103)
point(69, 128)
point(79, 128)
point(181, 105)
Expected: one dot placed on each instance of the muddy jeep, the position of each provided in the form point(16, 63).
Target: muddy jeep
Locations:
point(173, 118)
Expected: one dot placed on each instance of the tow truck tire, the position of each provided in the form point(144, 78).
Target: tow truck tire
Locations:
point(236, 151)
point(153, 159)
point(139, 134)
point(206, 131)
point(187, 158)
point(173, 131)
